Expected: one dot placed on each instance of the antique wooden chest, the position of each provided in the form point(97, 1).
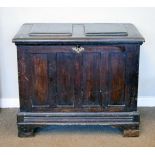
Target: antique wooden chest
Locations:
point(78, 74)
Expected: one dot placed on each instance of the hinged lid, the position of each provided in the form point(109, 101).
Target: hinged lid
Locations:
point(67, 32)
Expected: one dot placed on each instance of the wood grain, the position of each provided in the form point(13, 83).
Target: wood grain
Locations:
point(40, 78)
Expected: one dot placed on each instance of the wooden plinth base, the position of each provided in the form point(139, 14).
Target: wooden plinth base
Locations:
point(129, 121)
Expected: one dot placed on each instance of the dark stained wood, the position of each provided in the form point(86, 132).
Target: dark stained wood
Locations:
point(65, 81)
point(104, 78)
point(78, 91)
point(24, 75)
point(40, 79)
point(87, 80)
point(132, 69)
point(25, 131)
point(52, 79)
point(117, 77)
point(90, 79)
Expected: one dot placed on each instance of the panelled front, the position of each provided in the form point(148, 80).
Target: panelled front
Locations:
point(90, 79)
point(65, 79)
point(60, 78)
point(109, 70)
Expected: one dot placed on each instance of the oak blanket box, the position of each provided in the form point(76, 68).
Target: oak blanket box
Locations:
point(78, 74)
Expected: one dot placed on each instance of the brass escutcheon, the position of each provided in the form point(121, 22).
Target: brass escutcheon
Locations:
point(78, 49)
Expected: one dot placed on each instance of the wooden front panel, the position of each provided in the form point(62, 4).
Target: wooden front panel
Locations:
point(90, 79)
point(52, 79)
point(39, 80)
point(116, 77)
point(65, 79)
point(104, 77)
point(77, 74)
point(100, 78)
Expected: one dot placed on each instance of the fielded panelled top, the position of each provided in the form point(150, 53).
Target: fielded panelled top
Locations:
point(67, 32)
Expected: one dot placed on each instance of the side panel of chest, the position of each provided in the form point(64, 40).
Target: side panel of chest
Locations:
point(56, 78)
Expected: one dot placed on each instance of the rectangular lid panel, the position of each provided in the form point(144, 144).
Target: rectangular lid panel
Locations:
point(105, 30)
point(68, 32)
point(45, 29)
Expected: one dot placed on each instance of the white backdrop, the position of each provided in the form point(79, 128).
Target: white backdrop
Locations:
point(12, 18)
